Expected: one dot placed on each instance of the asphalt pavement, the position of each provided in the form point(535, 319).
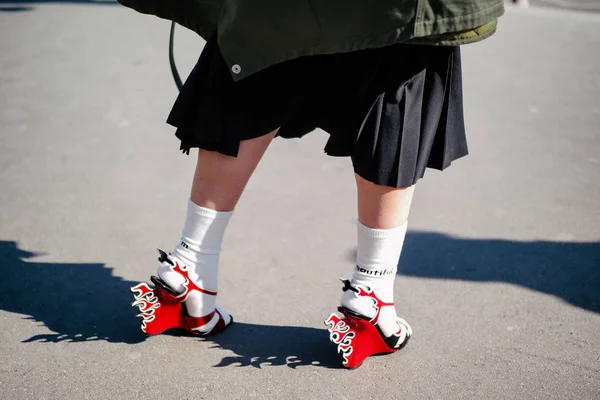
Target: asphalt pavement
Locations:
point(499, 277)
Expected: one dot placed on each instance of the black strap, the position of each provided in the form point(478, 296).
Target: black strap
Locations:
point(172, 58)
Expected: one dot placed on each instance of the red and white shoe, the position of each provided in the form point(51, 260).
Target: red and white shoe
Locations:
point(162, 308)
point(358, 337)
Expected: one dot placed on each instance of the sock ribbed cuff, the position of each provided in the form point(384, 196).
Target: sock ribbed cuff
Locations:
point(382, 233)
point(207, 212)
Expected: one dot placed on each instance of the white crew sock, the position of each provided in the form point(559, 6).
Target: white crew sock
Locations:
point(199, 250)
point(377, 256)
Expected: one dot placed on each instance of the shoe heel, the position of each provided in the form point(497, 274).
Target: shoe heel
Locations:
point(356, 338)
point(159, 309)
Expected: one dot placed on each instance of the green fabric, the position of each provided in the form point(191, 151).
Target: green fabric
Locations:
point(255, 34)
point(458, 38)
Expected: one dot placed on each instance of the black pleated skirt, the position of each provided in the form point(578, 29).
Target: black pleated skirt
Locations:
point(394, 110)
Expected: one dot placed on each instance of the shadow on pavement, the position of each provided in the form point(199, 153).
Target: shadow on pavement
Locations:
point(568, 270)
point(59, 1)
point(268, 345)
point(86, 302)
point(80, 302)
point(14, 8)
point(13, 5)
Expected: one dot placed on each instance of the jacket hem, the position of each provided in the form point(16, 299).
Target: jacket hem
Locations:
point(361, 42)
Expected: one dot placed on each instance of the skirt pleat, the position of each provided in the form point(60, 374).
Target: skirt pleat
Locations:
point(395, 111)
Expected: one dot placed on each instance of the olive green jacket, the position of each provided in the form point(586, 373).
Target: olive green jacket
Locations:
point(254, 34)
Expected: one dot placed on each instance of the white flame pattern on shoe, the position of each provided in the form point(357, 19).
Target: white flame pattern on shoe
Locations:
point(340, 334)
point(146, 302)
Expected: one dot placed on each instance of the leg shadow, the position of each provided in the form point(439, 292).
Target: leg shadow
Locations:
point(568, 270)
point(79, 302)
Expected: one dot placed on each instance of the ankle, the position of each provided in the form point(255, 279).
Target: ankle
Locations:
point(198, 293)
point(166, 272)
point(375, 305)
point(199, 304)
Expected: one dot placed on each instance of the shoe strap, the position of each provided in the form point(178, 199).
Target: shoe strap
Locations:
point(164, 258)
point(363, 291)
point(199, 322)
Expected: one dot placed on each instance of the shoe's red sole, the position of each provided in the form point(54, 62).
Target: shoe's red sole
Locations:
point(162, 310)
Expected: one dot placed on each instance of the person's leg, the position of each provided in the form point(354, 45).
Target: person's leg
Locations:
point(382, 221)
point(369, 295)
point(382, 207)
point(191, 269)
point(220, 180)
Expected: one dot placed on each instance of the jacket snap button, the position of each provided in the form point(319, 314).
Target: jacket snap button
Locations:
point(236, 69)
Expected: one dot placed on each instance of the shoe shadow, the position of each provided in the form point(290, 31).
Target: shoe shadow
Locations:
point(268, 345)
point(86, 302)
point(78, 302)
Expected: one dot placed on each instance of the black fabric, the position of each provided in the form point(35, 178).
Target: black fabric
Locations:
point(394, 110)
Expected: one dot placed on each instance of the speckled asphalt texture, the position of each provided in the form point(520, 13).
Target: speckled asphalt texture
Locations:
point(499, 278)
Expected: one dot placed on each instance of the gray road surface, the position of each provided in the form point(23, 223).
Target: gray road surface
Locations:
point(500, 276)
